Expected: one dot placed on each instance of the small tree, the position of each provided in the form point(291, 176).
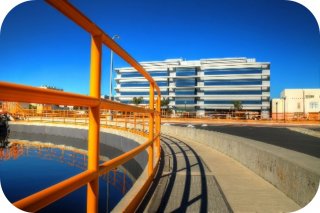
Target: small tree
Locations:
point(32, 106)
point(137, 101)
point(237, 105)
point(165, 103)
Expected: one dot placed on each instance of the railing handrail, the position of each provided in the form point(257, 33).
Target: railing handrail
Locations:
point(43, 198)
point(49, 195)
point(22, 93)
point(29, 94)
point(117, 161)
point(85, 23)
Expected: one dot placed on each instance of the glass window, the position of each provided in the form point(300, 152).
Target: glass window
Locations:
point(185, 92)
point(162, 83)
point(130, 74)
point(158, 74)
point(185, 71)
point(313, 105)
point(162, 92)
point(180, 108)
point(137, 74)
point(143, 93)
point(232, 82)
point(186, 101)
point(232, 71)
point(142, 84)
point(135, 84)
point(185, 82)
point(134, 93)
point(230, 102)
point(232, 92)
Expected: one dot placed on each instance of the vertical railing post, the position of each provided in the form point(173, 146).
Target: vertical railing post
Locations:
point(106, 117)
point(116, 118)
point(151, 129)
point(143, 122)
point(94, 124)
point(126, 120)
point(158, 124)
point(134, 121)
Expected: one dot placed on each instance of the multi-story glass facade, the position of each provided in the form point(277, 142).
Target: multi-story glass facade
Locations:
point(201, 85)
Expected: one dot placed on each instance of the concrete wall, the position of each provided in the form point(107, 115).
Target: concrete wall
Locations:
point(295, 174)
point(113, 142)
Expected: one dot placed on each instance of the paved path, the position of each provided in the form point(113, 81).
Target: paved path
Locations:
point(195, 178)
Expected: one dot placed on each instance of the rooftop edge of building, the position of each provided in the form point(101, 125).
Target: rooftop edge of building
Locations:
point(200, 62)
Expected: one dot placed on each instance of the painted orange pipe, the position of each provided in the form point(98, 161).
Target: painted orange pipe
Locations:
point(151, 129)
point(28, 94)
point(158, 125)
point(94, 102)
point(43, 198)
point(107, 104)
point(75, 15)
point(117, 161)
point(94, 124)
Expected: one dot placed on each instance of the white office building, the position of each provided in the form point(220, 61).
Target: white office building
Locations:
point(203, 85)
point(297, 104)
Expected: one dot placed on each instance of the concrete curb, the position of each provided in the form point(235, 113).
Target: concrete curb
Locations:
point(117, 139)
point(295, 174)
point(118, 142)
point(305, 131)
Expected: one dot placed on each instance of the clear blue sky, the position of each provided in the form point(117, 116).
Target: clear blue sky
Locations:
point(39, 46)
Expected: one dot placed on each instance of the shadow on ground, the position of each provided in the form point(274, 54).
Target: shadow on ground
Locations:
point(183, 183)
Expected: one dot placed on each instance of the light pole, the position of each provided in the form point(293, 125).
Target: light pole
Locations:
point(277, 111)
point(304, 105)
point(284, 108)
point(110, 98)
point(111, 67)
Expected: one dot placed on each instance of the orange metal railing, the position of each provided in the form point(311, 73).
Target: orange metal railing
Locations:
point(68, 155)
point(21, 93)
point(135, 122)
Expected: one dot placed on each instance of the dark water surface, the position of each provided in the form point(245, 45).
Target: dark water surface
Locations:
point(26, 168)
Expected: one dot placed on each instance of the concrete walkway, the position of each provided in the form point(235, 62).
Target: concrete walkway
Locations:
point(195, 178)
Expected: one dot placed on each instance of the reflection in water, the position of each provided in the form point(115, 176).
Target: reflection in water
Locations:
point(13, 152)
point(45, 161)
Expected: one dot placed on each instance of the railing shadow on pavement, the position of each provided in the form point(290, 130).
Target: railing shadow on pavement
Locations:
point(162, 192)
